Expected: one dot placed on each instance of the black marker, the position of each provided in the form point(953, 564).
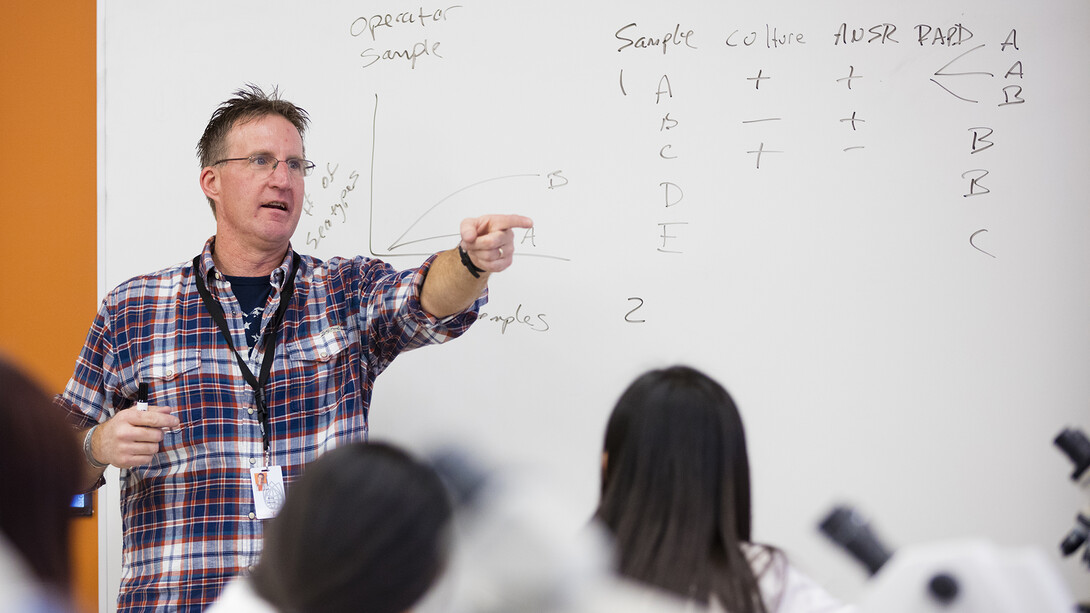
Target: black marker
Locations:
point(142, 397)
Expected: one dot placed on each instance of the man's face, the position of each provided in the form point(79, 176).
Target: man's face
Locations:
point(257, 209)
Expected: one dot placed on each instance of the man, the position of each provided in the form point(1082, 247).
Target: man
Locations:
point(249, 361)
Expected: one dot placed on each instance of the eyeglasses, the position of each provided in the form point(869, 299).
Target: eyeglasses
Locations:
point(265, 164)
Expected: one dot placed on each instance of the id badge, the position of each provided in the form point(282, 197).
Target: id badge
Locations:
point(268, 486)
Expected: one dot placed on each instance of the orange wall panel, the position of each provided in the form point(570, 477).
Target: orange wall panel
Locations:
point(48, 234)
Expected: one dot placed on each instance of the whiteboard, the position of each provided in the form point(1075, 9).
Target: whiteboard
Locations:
point(867, 220)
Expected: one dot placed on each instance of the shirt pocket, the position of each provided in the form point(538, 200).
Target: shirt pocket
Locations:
point(318, 369)
point(170, 376)
point(173, 379)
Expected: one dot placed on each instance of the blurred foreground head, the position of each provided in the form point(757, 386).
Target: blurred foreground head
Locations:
point(39, 473)
point(364, 529)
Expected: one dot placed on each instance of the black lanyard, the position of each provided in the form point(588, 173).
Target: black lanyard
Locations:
point(257, 383)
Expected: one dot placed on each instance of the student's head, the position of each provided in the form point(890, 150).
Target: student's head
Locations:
point(675, 487)
point(39, 473)
point(226, 137)
point(364, 529)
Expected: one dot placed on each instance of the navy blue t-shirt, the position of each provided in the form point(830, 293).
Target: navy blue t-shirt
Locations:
point(252, 294)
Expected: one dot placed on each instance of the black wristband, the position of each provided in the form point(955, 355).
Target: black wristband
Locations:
point(468, 263)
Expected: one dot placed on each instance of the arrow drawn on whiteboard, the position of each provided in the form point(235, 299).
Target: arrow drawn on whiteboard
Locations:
point(556, 179)
point(973, 243)
point(940, 73)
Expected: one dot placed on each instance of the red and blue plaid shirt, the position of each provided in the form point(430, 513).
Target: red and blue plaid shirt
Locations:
point(188, 517)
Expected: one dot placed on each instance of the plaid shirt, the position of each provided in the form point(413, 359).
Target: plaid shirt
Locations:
point(188, 516)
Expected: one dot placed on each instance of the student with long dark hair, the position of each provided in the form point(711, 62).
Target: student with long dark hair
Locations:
point(676, 497)
point(366, 528)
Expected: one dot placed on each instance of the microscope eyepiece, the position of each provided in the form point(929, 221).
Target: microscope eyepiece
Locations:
point(1077, 447)
point(845, 527)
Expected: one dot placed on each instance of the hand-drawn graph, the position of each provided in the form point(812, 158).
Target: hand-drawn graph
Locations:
point(412, 236)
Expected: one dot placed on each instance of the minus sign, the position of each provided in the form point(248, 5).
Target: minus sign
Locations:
point(855, 147)
point(759, 120)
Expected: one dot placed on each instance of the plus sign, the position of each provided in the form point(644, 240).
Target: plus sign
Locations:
point(761, 150)
point(758, 79)
point(851, 75)
point(853, 119)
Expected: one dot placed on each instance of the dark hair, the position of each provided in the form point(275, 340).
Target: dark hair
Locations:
point(40, 470)
point(675, 489)
point(365, 528)
point(248, 103)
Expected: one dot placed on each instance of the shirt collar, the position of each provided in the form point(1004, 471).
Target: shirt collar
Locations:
point(208, 265)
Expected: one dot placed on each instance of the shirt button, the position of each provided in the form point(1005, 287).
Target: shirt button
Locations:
point(253, 515)
point(250, 411)
point(219, 276)
point(323, 355)
point(253, 461)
